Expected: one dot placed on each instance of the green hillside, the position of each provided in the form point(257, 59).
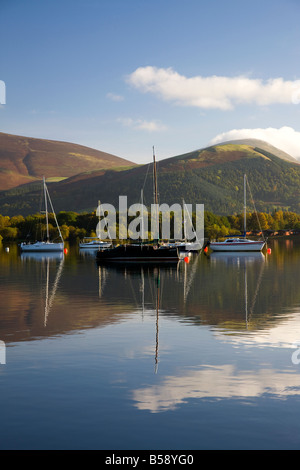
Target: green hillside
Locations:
point(264, 146)
point(212, 176)
point(24, 160)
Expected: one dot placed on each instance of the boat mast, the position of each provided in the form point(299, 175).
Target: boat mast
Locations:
point(155, 178)
point(47, 194)
point(46, 208)
point(155, 190)
point(142, 221)
point(99, 217)
point(184, 221)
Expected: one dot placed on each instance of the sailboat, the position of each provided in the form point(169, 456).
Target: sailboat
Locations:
point(94, 243)
point(141, 251)
point(45, 245)
point(239, 244)
point(186, 246)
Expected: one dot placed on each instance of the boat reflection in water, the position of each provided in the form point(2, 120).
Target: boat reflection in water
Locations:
point(44, 260)
point(149, 284)
point(237, 257)
point(244, 261)
point(219, 331)
point(41, 256)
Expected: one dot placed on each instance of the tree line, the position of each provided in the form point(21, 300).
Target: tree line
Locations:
point(76, 226)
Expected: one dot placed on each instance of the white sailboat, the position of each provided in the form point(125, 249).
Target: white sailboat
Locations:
point(239, 244)
point(194, 246)
point(94, 243)
point(45, 245)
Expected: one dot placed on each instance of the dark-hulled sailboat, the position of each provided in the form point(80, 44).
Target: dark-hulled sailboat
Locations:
point(141, 251)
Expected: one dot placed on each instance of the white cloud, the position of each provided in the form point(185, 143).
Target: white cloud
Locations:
point(140, 124)
point(215, 382)
point(284, 138)
point(214, 92)
point(114, 97)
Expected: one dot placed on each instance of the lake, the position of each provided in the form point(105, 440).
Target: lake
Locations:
point(198, 355)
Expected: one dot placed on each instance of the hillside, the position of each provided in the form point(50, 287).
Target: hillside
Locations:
point(256, 143)
point(212, 176)
point(24, 160)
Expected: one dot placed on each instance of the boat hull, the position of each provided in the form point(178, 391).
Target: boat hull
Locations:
point(237, 246)
point(41, 247)
point(138, 253)
point(185, 246)
point(93, 243)
point(94, 246)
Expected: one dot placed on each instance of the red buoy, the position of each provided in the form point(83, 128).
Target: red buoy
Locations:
point(186, 259)
point(269, 251)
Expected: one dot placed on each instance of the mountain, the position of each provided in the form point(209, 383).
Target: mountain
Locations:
point(264, 146)
point(212, 176)
point(24, 160)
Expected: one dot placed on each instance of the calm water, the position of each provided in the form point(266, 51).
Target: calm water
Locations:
point(189, 356)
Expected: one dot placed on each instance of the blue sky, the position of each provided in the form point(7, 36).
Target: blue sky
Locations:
point(124, 75)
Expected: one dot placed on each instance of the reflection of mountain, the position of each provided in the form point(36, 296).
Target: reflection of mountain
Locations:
point(40, 300)
point(207, 291)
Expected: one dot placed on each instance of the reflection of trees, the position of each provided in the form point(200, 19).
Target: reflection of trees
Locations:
point(204, 291)
point(212, 291)
point(271, 290)
point(229, 287)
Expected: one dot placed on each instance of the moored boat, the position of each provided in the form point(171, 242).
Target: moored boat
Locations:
point(184, 246)
point(41, 246)
point(237, 244)
point(139, 252)
point(45, 245)
point(93, 243)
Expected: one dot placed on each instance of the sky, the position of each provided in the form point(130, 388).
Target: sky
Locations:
point(123, 76)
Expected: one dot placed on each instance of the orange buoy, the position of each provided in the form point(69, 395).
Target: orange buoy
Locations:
point(206, 249)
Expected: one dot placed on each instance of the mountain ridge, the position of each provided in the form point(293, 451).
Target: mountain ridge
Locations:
point(212, 176)
point(264, 145)
point(27, 159)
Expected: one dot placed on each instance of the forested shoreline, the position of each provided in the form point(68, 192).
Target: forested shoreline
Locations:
point(75, 226)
